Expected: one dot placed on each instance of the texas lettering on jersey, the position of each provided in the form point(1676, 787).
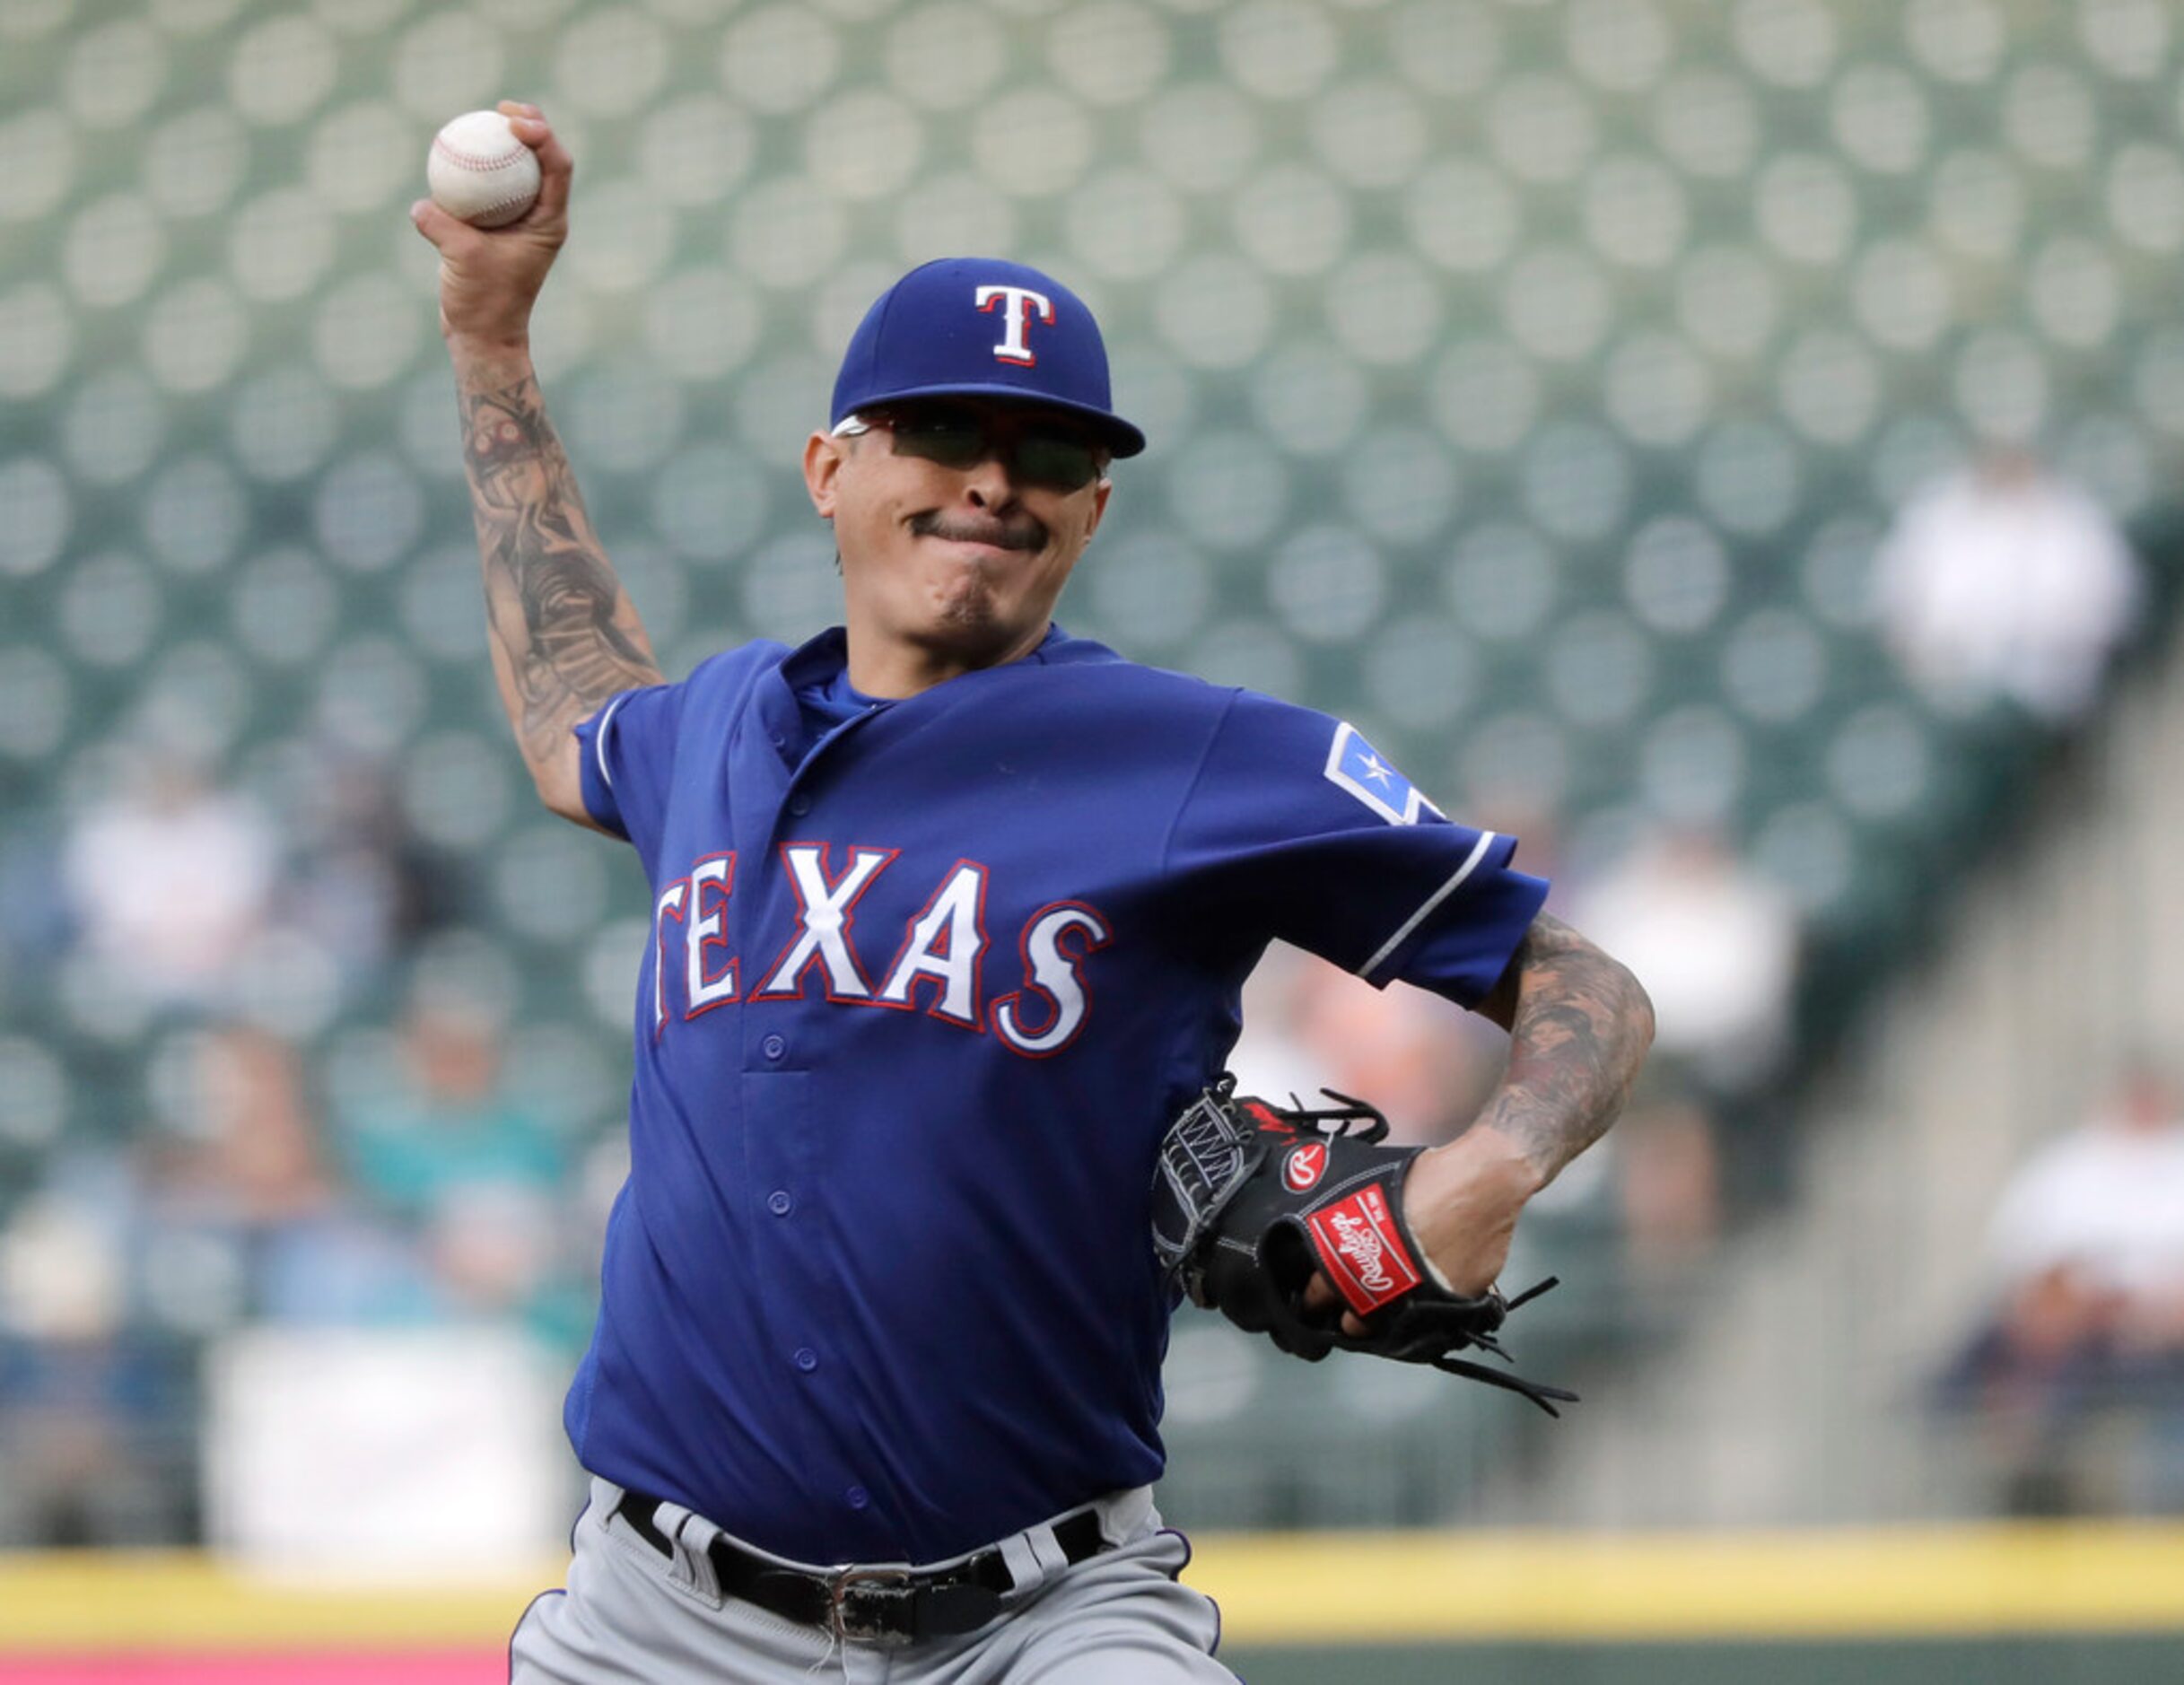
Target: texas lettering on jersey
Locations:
point(939, 962)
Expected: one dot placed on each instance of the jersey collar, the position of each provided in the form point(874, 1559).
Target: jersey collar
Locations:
point(818, 660)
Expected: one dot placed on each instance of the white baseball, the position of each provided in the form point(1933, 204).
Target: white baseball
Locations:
point(480, 171)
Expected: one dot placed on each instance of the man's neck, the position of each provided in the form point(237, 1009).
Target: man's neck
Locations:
point(893, 669)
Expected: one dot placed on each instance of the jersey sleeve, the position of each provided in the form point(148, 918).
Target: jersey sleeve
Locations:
point(627, 754)
point(1297, 828)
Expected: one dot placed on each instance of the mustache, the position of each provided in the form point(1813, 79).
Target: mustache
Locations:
point(1028, 534)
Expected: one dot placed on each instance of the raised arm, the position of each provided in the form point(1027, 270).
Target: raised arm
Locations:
point(562, 632)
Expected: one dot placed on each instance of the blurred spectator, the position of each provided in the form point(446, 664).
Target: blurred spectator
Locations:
point(1270, 1057)
point(35, 918)
point(1670, 1183)
point(1716, 945)
point(450, 1122)
point(123, 1265)
point(89, 1408)
point(168, 879)
point(2005, 580)
point(359, 887)
point(244, 1217)
point(496, 1253)
point(1310, 1025)
point(2107, 1197)
point(477, 1175)
point(2087, 1252)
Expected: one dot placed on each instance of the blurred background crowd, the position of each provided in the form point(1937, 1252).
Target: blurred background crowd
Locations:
point(1734, 447)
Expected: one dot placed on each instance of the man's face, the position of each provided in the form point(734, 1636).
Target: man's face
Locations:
point(955, 522)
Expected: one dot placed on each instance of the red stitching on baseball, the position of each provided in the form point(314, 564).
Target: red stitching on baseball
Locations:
point(471, 160)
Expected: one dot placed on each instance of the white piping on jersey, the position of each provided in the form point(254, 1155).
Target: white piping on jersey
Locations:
point(598, 740)
point(1448, 889)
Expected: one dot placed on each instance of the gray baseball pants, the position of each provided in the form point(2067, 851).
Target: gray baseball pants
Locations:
point(633, 1616)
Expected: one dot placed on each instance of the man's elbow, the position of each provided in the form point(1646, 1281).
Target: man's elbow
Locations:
point(1637, 1007)
point(569, 807)
point(560, 787)
point(1615, 987)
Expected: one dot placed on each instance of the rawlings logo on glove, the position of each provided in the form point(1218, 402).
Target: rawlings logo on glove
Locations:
point(1244, 1213)
point(1363, 1251)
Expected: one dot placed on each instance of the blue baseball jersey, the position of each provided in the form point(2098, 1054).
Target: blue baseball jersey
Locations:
point(927, 979)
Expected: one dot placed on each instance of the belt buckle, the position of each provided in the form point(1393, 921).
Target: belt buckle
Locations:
point(840, 1586)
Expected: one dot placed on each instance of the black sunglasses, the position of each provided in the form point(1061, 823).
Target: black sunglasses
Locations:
point(1043, 453)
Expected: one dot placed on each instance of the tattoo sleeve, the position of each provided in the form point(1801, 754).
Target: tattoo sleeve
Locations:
point(1580, 1025)
point(564, 635)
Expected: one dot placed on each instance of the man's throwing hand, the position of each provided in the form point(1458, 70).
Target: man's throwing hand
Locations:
point(489, 278)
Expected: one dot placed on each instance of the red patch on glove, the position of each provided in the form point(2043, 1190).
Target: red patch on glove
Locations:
point(1362, 1250)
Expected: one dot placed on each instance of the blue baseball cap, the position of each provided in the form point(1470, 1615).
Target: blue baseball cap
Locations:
point(980, 328)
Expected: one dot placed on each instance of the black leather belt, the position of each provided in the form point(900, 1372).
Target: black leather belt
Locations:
point(870, 1605)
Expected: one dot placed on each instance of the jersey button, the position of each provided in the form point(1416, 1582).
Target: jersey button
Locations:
point(857, 1497)
point(799, 805)
point(806, 1359)
point(774, 1047)
point(779, 1202)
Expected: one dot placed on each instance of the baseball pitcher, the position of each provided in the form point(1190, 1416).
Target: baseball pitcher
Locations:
point(951, 912)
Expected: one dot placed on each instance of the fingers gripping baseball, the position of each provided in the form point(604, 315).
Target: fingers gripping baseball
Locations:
point(489, 278)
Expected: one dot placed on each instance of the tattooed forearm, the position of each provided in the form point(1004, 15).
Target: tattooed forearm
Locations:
point(566, 635)
point(1580, 1025)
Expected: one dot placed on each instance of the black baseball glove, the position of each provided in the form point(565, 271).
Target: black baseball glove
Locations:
point(1250, 1198)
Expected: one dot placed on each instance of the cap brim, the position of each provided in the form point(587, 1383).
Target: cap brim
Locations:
point(1119, 436)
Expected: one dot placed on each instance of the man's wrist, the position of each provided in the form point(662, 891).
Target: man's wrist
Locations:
point(500, 361)
point(1462, 1200)
point(1482, 1169)
point(1496, 1155)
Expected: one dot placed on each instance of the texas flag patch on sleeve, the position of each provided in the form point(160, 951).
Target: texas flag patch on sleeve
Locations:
point(1353, 764)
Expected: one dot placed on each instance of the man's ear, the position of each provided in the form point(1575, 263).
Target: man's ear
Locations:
point(1101, 490)
point(823, 459)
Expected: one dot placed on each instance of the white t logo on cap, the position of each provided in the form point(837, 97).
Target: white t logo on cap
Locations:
point(1016, 304)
